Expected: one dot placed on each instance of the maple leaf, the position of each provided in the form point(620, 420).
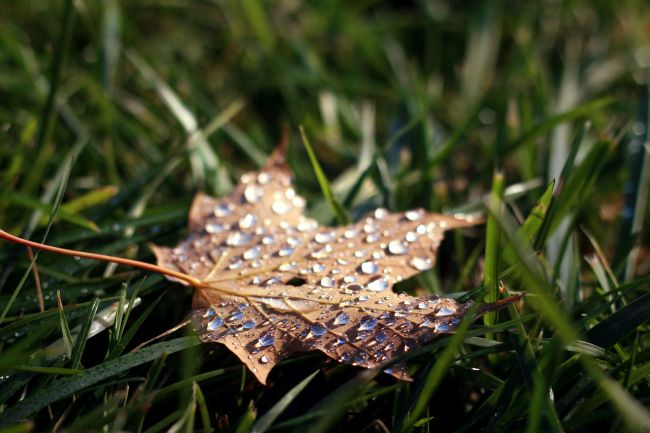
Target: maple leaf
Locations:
point(271, 282)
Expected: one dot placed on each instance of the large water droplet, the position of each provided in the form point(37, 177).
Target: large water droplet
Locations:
point(237, 239)
point(214, 228)
point(215, 323)
point(247, 221)
point(253, 193)
point(324, 237)
point(306, 225)
point(380, 213)
point(317, 329)
point(368, 267)
point(223, 209)
point(342, 319)
point(249, 324)
point(421, 263)
point(327, 282)
point(266, 340)
point(377, 283)
point(413, 215)
point(368, 324)
point(397, 248)
point(252, 253)
point(281, 207)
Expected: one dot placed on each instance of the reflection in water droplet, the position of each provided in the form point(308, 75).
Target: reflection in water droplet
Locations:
point(236, 316)
point(249, 324)
point(281, 207)
point(264, 359)
point(368, 324)
point(214, 228)
point(413, 215)
point(215, 323)
point(253, 193)
point(236, 239)
point(252, 253)
point(247, 221)
point(369, 267)
point(377, 283)
point(342, 319)
point(317, 329)
point(327, 282)
point(445, 311)
point(397, 248)
point(421, 263)
point(223, 209)
point(266, 340)
point(381, 336)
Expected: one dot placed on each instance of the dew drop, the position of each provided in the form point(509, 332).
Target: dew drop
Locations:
point(445, 311)
point(306, 225)
point(411, 237)
point(288, 266)
point(322, 253)
point(318, 267)
point(215, 324)
point(327, 282)
point(345, 357)
point(266, 340)
point(281, 207)
point(264, 359)
point(380, 213)
point(238, 315)
point(377, 283)
point(422, 305)
point(263, 178)
point(372, 237)
point(285, 251)
point(397, 248)
point(247, 221)
point(381, 336)
point(442, 327)
point(209, 312)
point(421, 229)
point(349, 279)
point(223, 209)
point(237, 239)
point(324, 237)
point(249, 325)
point(350, 233)
point(253, 193)
point(236, 265)
point(342, 319)
point(368, 324)
point(413, 215)
point(317, 329)
point(421, 263)
point(369, 268)
point(214, 228)
point(252, 253)
point(268, 240)
point(370, 227)
point(359, 253)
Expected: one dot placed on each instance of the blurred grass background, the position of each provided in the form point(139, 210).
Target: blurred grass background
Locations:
point(129, 108)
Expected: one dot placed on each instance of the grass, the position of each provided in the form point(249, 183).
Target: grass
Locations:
point(115, 114)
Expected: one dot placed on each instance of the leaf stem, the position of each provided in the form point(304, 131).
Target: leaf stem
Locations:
point(101, 257)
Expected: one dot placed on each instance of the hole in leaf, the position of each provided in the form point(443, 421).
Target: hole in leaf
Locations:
point(296, 281)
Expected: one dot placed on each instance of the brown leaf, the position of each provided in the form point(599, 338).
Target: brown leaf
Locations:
point(273, 282)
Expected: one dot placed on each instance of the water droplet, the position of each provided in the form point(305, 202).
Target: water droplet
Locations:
point(381, 336)
point(359, 253)
point(306, 225)
point(209, 313)
point(442, 327)
point(411, 237)
point(322, 253)
point(281, 207)
point(372, 237)
point(363, 298)
point(223, 209)
point(368, 324)
point(327, 282)
point(445, 311)
point(266, 340)
point(263, 178)
point(342, 319)
point(350, 233)
point(253, 193)
point(421, 263)
point(249, 324)
point(413, 215)
point(377, 283)
point(264, 359)
point(214, 228)
point(345, 357)
point(317, 329)
point(252, 253)
point(236, 265)
point(318, 267)
point(421, 229)
point(215, 323)
point(238, 315)
point(422, 305)
point(247, 221)
point(370, 227)
point(380, 213)
point(349, 279)
point(397, 248)
point(285, 251)
point(237, 239)
point(369, 267)
point(324, 237)
point(288, 266)
point(268, 240)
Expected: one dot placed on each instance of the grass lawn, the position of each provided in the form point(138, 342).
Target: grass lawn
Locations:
point(114, 114)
